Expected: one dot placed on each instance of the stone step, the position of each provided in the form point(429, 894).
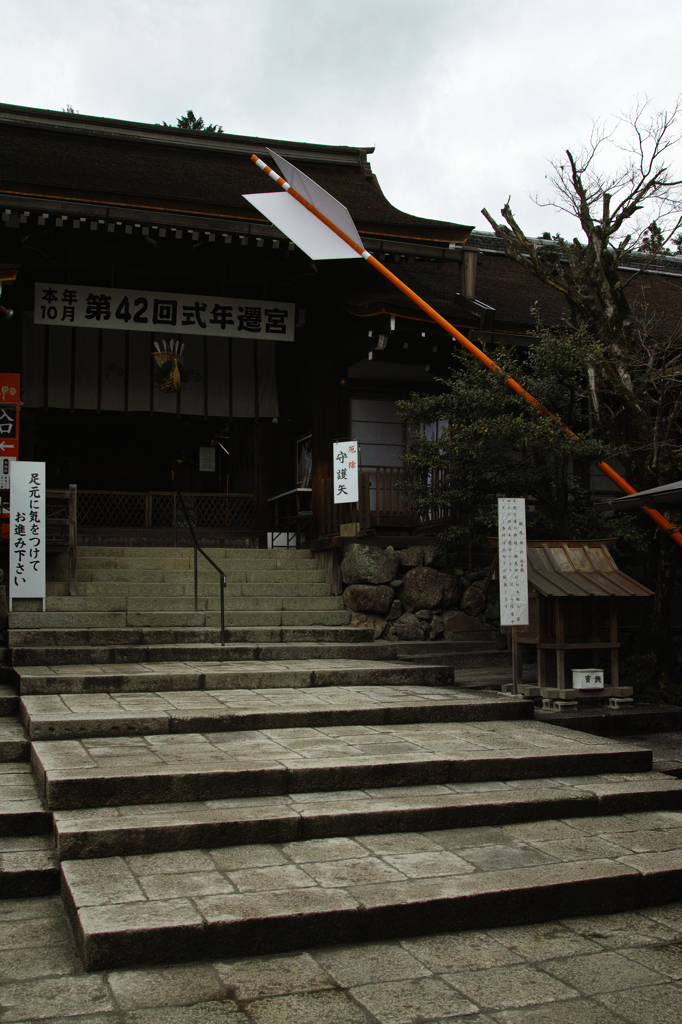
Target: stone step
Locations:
point(206, 577)
point(242, 901)
point(128, 636)
point(66, 716)
point(173, 588)
point(186, 564)
point(67, 620)
point(134, 553)
point(166, 653)
point(28, 867)
point(9, 701)
point(13, 742)
point(118, 620)
point(254, 674)
point(152, 828)
point(94, 603)
point(212, 766)
point(21, 812)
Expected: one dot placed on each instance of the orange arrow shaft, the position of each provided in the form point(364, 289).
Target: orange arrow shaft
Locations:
point(660, 521)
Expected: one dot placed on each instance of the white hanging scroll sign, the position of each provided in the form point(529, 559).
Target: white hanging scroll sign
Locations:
point(27, 530)
point(513, 570)
point(346, 459)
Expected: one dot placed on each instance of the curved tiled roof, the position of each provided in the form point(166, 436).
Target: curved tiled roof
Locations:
point(70, 156)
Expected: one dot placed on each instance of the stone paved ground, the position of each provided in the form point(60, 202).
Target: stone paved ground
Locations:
point(595, 970)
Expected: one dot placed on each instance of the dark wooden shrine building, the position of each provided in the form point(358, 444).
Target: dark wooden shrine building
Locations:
point(119, 241)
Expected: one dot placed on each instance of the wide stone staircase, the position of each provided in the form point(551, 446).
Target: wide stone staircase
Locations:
point(302, 783)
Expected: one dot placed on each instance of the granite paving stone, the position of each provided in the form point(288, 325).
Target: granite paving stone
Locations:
point(665, 958)
point(576, 1011)
point(601, 972)
point(260, 978)
point(200, 1013)
point(362, 965)
point(425, 865)
point(538, 942)
point(417, 999)
point(504, 858)
point(506, 987)
point(658, 1004)
point(307, 1008)
point(270, 878)
point(467, 951)
point(173, 986)
point(41, 998)
point(616, 931)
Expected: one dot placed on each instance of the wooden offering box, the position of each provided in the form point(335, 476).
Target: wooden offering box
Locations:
point(573, 618)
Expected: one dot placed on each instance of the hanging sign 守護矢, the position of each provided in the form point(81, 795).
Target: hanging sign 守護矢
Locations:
point(345, 472)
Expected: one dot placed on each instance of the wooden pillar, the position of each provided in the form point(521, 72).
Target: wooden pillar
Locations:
point(559, 611)
point(613, 638)
point(73, 540)
point(323, 355)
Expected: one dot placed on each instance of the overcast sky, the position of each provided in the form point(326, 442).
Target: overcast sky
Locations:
point(464, 100)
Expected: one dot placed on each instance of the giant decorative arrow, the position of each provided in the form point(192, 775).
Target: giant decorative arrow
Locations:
point(324, 229)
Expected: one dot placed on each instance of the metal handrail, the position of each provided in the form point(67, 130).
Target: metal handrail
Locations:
point(223, 578)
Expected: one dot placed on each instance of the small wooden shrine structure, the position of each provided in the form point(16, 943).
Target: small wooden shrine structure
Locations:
point(573, 587)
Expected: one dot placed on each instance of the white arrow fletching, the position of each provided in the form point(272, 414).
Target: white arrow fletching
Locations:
point(332, 209)
point(302, 227)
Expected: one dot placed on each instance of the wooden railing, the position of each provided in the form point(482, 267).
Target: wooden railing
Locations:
point(384, 501)
point(154, 509)
point(332, 517)
point(61, 515)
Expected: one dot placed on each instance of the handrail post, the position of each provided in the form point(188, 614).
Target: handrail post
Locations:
point(223, 581)
point(73, 540)
point(196, 584)
point(175, 525)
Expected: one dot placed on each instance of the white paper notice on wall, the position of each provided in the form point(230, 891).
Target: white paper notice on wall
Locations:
point(207, 460)
point(513, 569)
point(4, 471)
point(346, 469)
point(27, 530)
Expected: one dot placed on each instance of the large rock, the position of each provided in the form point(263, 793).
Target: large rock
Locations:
point(408, 627)
point(436, 627)
point(473, 601)
point(457, 623)
point(373, 622)
point(410, 558)
point(430, 554)
point(428, 588)
point(397, 610)
point(363, 597)
point(363, 564)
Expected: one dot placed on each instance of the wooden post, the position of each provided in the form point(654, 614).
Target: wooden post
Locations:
point(517, 660)
point(73, 540)
point(560, 635)
point(613, 637)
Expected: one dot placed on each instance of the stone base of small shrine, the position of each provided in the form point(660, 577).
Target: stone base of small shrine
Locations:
point(569, 695)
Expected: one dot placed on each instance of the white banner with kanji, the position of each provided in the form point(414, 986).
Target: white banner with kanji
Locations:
point(75, 305)
point(27, 530)
point(346, 471)
point(513, 570)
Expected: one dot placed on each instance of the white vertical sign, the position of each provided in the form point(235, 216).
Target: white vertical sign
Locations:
point(4, 470)
point(346, 471)
point(207, 460)
point(513, 570)
point(27, 530)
